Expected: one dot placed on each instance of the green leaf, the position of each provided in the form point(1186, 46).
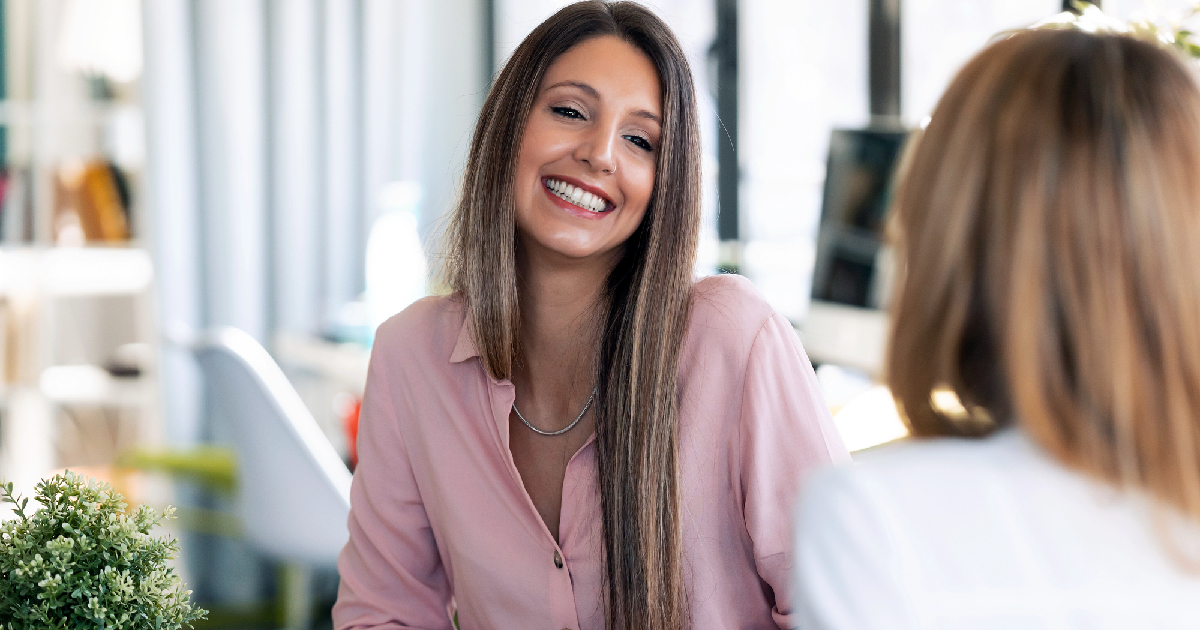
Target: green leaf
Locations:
point(82, 561)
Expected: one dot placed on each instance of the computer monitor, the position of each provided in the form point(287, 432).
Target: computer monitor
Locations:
point(852, 273)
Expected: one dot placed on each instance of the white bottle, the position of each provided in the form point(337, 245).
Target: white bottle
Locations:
point(396, 271)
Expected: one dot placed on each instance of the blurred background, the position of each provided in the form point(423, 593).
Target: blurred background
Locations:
point(283, 167)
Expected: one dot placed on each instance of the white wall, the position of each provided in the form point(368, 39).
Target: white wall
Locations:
point(232, 105)
point(296, 151)
point(171, 185)
point(424, 86)
point(939, 36)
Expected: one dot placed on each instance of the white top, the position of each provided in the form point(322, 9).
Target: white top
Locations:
point(986, 534)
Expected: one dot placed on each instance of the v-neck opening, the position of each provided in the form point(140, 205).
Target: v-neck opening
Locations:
point(501, 418)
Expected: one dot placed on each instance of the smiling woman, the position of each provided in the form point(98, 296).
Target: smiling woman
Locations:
point(581, 436)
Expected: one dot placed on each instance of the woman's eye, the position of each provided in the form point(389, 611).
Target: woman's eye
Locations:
point(640, 142)
point(567, 112)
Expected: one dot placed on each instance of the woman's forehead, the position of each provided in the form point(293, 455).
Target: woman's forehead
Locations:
point(609, 69)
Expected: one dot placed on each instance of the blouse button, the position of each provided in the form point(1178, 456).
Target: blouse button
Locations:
point(558, 559)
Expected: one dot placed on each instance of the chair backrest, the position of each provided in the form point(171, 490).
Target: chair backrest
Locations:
point(294, 490)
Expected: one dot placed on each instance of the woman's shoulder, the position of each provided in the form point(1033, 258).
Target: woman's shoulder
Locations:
point(986, 508)
point(930, 462)
point(729, 324)
point(427, 328)
point(925, 484)
point(922, 490)
point(728, 303)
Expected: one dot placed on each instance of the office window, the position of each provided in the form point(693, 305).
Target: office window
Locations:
point(803, 71)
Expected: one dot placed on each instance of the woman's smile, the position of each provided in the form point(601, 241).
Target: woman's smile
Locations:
point(576, 197)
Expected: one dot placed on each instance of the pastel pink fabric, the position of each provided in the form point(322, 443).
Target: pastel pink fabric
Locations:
point(440, 520)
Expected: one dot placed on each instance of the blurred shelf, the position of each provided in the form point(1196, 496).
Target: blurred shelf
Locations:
point(74, 271)
point(92, 385)
point(17, 113)
point(845, 335)
point(88, 385)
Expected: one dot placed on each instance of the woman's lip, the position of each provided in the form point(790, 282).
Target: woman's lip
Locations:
point(578, 184)
point(573, 209)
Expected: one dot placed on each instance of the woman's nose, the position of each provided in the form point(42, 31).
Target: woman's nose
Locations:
point(598, 148)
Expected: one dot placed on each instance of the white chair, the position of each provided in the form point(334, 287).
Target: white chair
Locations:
point(293, 489)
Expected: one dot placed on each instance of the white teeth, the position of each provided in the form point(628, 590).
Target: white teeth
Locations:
point(576, 195)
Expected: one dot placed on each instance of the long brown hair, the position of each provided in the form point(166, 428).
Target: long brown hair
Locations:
point(1048, 225)
point(648, 293)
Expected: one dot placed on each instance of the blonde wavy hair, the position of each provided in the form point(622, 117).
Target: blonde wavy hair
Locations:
point(1049, 241)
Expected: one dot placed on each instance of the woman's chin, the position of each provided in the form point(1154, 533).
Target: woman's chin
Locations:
point(578, 250)
point(553, 239)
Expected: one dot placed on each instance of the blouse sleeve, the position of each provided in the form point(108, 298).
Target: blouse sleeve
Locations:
point(391, 574)
point(848, 572)
point(786, 432)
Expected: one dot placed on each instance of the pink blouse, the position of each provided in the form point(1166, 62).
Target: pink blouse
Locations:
point(440, 521)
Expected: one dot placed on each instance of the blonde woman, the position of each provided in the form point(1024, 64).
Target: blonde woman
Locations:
point(1049, 235)
point(582, 436)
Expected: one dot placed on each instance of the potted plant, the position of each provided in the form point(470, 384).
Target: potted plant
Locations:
point(83, 560)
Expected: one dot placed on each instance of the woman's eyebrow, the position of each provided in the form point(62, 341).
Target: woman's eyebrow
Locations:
point(591, 91)
point(648, 115)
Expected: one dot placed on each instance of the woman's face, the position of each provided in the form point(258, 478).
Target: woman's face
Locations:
point(587, 161)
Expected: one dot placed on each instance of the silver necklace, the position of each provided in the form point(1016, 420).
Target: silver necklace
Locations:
point(562, 430)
